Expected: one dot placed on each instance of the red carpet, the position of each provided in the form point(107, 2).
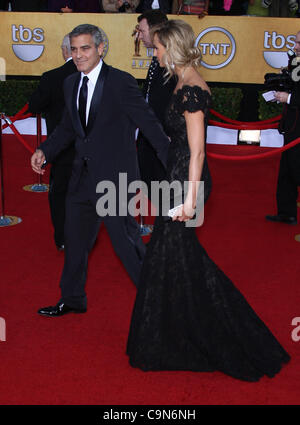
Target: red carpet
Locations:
point(80, 359)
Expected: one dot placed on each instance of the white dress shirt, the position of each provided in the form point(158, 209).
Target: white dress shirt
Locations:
point(93, 77)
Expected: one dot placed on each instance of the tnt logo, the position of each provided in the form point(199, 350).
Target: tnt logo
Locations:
point(217, 46)
point(27, 52)
point(2, 329)
point(273, 42)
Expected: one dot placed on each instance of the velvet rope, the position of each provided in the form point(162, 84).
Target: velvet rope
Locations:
point(255, 156)
point(242, 126)
point(20, 138)
point(239, 125)
point(19, 115)
point(229, 120)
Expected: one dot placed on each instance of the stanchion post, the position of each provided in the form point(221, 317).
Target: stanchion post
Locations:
point(4, 219)
point(38, 139)
point(39, 187)
point(1, 169)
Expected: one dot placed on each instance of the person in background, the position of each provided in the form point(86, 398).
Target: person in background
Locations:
point(289, 168)
point(255, 8)
point(164, 5)
point(28, 5)
point(88, 6)
point(49, 99)
point(4, 5)
point(228, 7)
point(157, 93)
point(64, 6)
point(120, 6)
point(279, 8)
point(190, 7)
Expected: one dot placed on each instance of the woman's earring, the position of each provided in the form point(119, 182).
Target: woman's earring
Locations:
point(172, 66)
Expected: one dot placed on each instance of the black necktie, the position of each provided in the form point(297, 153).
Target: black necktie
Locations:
point(82, 101)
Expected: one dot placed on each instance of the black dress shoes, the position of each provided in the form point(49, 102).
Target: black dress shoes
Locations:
point(282, 219)
point(59, 310)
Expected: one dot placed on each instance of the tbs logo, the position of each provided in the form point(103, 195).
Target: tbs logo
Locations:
point(275, 41)
point(27, 52)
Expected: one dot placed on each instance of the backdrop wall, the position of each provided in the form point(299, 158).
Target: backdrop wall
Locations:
point(235, 49)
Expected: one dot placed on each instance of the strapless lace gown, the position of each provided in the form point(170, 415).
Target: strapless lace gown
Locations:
point(188, 315)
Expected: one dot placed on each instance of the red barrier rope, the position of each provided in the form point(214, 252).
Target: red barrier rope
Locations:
point(238, 125)
point(231, 121)
point(20, 138)
point(255, 156)
point(19, 115)
point(242, 126)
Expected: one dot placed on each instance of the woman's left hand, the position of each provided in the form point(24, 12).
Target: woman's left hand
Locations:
point(185, 213)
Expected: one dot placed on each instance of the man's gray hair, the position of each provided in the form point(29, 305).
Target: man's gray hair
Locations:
point(66, 43)
point(94, 31)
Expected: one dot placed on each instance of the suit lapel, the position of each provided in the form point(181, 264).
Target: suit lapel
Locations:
point(97, 96)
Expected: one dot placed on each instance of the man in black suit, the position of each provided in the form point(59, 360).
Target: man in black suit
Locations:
point(49, 99)
point(289, 169)
point(157, 93)
point(103, 108)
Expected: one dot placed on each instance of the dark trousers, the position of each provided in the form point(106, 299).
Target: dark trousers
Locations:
point(288, 181)
point(151, 169)
point(58, 188)
point(81, 228)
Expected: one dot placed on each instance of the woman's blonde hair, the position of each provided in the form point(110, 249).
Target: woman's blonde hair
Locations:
point(179, 41)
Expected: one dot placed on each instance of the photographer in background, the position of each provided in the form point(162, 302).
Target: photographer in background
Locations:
point(280, 8)
point(289, 170)
point(120, 6)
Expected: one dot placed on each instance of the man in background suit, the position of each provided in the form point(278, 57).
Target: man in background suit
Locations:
point(104, 107)
point(157, 93)
point(49, 99)
point(289, 169)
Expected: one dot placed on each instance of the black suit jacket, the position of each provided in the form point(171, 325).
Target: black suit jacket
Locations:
point(116, 110)
point(290, 122)
point(159, 93)
point(49, 99)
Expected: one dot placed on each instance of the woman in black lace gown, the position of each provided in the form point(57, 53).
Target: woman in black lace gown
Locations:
point(188, 315)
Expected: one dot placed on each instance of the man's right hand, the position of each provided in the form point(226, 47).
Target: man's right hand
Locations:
point(37, 160)
point(281, 96)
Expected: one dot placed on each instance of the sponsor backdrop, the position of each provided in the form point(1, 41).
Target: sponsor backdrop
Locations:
point(235, 49)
